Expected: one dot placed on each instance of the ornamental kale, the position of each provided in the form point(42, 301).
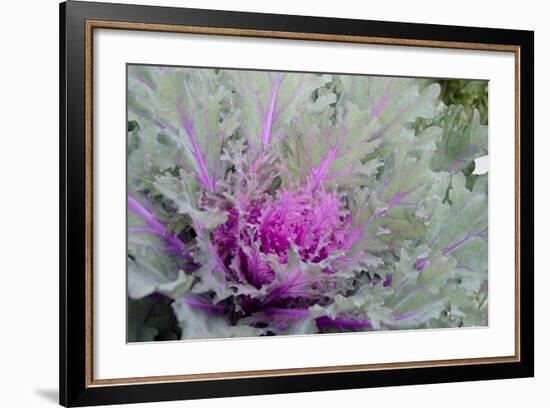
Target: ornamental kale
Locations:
point(270, 203)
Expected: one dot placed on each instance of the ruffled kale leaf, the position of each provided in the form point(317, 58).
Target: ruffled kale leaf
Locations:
point(193, 111)
point(462, 141)
point(269, 102)
point(202, 320)
point(153, 263)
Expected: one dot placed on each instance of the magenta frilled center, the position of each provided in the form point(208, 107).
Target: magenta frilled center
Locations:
point(312, 223)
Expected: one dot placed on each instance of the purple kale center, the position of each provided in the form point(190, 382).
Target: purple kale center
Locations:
point(314, 223)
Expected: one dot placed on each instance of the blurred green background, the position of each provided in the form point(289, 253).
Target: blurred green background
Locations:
point(468, 93)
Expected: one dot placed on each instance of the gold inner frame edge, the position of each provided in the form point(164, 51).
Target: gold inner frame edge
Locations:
point(119, 25)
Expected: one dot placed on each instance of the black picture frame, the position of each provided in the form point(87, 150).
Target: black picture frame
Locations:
point(77, 387)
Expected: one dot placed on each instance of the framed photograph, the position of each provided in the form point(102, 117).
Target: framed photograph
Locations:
point(256, 203)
